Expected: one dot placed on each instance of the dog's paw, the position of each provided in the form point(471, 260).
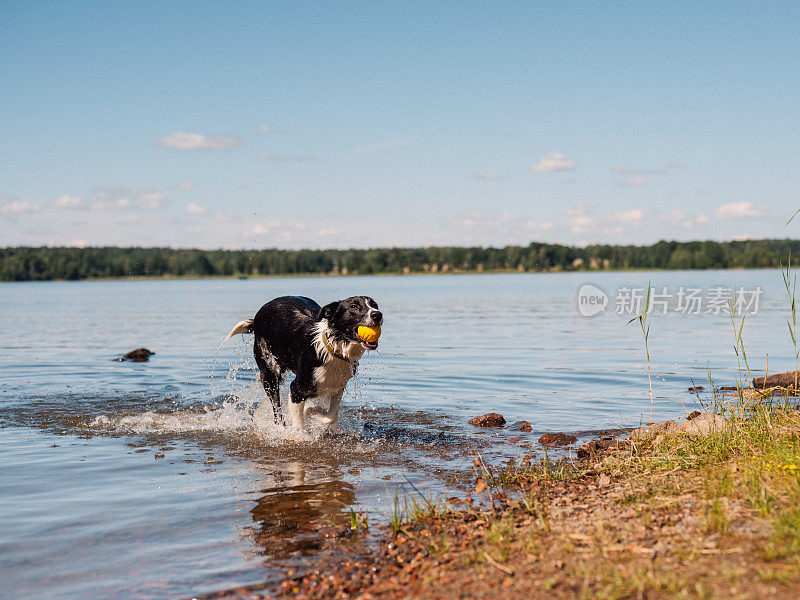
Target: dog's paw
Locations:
point(314, 412)
point(320, 415)
point(334, 431)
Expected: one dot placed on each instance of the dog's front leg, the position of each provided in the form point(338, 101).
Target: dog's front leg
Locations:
point(300, 391)
point(296, 412)
point(331, 416)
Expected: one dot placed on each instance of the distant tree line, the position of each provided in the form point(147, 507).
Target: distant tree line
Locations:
point(45, 263)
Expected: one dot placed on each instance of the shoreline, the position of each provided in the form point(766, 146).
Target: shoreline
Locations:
point(353, 275)
point(660, 515)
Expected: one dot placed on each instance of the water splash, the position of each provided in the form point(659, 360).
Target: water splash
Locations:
point(234, 416)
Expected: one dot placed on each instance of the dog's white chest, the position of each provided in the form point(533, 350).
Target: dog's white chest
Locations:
point(332, 376)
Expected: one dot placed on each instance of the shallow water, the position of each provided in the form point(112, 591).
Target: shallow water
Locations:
point(162, 479)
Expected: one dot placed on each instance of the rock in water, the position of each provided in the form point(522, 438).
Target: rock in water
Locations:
point(557, 439)
point(520, 426)
point(488, 420)
point(138, 355)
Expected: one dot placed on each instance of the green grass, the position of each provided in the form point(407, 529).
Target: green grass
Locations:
point(718, 485)
point(417, 508)
point(359, 521)
point(396, 519)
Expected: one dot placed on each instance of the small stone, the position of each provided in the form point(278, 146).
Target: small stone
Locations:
point(660, 441)
point(704, 425)
point(643, 434)
point(594, 447)
point(557, 439)
point(693, 414)
point(520, 426)
point(696, 388)
point(138, 355)
point(603, 480)
point(488, 420)
point(610, 461)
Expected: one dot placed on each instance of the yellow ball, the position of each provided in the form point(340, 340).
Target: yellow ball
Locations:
point(369, 334)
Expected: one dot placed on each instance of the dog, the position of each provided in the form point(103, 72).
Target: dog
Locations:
point(320, 345)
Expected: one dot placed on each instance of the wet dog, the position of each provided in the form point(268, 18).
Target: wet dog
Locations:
point(320, 345)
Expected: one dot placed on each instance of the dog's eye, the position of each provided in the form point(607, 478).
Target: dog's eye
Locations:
point(354, 306)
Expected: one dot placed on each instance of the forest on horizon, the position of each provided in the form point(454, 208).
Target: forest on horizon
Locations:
point(66, 263)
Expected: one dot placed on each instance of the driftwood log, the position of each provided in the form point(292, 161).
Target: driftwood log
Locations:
point(789, 380)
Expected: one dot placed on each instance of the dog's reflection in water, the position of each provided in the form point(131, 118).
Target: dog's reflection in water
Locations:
point(290, 518)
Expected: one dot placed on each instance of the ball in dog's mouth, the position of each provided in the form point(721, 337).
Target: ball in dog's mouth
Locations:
point(369, 336)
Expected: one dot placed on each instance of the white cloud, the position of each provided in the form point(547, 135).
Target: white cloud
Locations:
point(494, 227)
point(226, 217)
point(281, 158)
point(280, 230)
point(637, 181)
point(187, 185)
point(676, 217)
point(263, 229)
point(581, 209)
point(15, 207)
point(680, 219)
point(629, 217)
point(67, 201)
point(581, 224)
point(479, 218)
point(195, 209)
point(121, 197)
point(180, 140)
point(150, 200)
point(553, 162)
point(328, 231)
point(265, 130)
point(739, 210)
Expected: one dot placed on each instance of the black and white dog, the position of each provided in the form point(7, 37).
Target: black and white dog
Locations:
point(320, 345)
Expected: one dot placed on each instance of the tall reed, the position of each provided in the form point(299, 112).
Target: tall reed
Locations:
point(643, 323)
point(790, 283)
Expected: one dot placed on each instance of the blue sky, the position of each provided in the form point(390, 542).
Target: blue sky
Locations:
point(296, 124)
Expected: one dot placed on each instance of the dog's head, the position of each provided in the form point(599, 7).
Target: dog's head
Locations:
point(346, 316)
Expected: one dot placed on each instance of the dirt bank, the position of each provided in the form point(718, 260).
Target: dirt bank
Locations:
point(672, 517)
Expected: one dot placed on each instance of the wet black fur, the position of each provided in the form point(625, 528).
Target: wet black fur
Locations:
point(285, 330)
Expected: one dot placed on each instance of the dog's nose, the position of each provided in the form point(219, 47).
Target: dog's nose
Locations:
point(377, 317)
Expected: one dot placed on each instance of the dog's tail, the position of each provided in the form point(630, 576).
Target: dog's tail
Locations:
point(245, 326)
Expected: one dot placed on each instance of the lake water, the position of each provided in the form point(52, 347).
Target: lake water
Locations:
point(158, 479)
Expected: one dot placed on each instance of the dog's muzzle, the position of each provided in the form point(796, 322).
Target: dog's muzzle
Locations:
point(368, 335)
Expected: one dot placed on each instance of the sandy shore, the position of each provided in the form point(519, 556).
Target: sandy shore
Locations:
point(672, 516)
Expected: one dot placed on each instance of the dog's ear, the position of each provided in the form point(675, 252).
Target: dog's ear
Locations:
point(327, 311)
